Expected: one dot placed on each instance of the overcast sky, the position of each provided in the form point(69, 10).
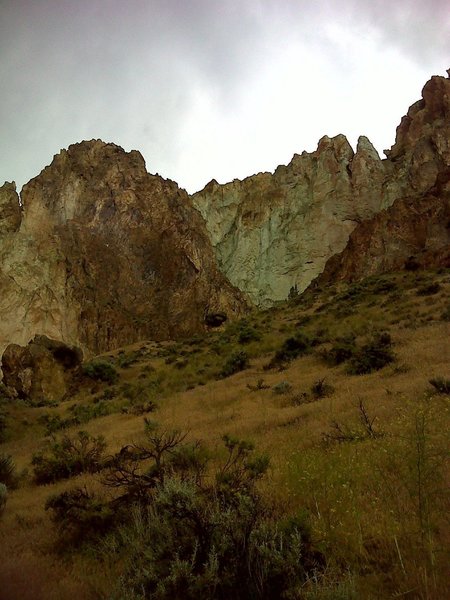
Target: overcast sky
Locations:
point(210, 88)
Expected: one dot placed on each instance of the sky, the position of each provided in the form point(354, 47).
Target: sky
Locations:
point(210, 89)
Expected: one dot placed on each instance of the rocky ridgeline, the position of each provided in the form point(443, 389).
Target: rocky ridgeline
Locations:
point(272, 232)
point(101, 254)
point(415, 230)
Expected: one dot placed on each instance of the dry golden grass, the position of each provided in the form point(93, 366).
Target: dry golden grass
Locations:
point(344, 487)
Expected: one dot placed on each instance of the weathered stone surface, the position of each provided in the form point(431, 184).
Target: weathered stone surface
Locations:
point(416, 228)
point(108, 254)
point(104, 254)
point(411, 230)
point(10, 212)
point(41, 371)
point(272, 232)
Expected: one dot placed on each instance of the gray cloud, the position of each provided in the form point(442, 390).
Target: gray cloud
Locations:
point(142, 74)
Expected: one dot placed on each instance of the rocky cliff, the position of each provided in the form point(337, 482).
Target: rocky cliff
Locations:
point(415, 231)
point(274, 231)
point(104, 254)
point(99, 253)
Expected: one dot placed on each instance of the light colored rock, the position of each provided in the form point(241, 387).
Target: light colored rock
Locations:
point(272, 232)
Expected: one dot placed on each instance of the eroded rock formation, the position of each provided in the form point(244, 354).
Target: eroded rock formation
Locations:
point(412, 233)
point(415, 229)
point(106, 254)
point(99, 253)
point(272, 232)
point(10, 211)
point(42, 371)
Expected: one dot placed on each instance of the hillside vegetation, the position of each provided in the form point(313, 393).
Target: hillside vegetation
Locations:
point(301, 453)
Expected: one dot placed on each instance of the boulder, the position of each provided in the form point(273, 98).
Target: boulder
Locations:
point(42, 371)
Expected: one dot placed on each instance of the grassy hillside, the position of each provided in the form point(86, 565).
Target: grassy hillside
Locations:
point(333, 386)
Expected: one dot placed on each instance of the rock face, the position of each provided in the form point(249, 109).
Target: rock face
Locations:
point(41, 371)
point(272, 232)
point(412, 233)
point(416, 228)
point(106, 254)
point(10, 211)
point(99, 253)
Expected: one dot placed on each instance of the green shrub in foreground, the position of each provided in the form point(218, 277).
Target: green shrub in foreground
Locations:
point(68, 457)
point(215, 538)
point(80, 515)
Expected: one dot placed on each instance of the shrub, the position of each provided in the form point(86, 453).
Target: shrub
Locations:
point(82, 413)
point(341, 433)
point(68, 457)
point(79, 515)
point(101, 370)
point(429, 290)
point(300, 398)
point(126, 360)
point(7, 471)
point(411, 264)
point(320, 389)
point(260, 385)
point(292, 347)
point(342, 350)
point(216, 538)
point(235, 363)
point(108, 394)
point(372, 356)
point(383, 286)
point(54, 423)
point(141, 408)
point(3, 497)
point(138, 469)
point(248, 334)
point(283, 387)
point(441, 385)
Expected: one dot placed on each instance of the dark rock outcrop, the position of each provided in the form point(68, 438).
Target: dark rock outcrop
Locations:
point(42, 371)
